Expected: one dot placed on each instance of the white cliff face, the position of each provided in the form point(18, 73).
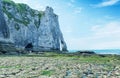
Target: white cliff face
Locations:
point(28, 26)
point(4, 31)
point(50, 35)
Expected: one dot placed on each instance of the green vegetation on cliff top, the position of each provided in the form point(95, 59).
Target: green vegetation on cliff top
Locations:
point(22, 9)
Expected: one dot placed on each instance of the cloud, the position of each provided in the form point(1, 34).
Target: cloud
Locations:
point(103, 36)
point(75, 9)
point(107, 45)
point(77, 43)
point(23, 1)
point(70, 4)
point(106, 36)
point(110, 29)
point(38, 6)
point(107, 3)
point(78, 10)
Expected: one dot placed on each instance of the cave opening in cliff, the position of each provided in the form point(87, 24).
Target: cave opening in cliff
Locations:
point(29, 47)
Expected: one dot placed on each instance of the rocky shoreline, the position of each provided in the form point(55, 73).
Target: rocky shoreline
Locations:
point(57, 65)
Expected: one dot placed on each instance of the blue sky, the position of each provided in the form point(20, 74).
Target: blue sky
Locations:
point(85, 24)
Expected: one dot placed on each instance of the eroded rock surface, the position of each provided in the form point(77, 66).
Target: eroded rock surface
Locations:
point(29, 26)
point(4, 31)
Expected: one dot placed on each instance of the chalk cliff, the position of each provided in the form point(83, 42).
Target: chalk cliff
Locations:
point(4, 31)
point(25, 26)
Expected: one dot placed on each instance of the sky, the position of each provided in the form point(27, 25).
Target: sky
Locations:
point(85, 24)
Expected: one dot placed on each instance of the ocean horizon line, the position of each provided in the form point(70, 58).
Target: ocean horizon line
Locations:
point(101, 51)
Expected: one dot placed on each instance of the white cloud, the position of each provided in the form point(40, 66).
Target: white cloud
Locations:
point(107, 3)
point(39, 7)
point(78, 10)
point(70, 4)
point(107, 45)
point(109, 29)
point(22, 1)
point(77, 43)
point(104, 36)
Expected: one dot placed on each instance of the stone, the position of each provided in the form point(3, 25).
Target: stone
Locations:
point(5, 45)
point(7, 48)
point(4, 30)
point(24, 26)
point(86, 52)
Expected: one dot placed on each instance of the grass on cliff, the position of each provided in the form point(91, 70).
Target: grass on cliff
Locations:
point(23, 10)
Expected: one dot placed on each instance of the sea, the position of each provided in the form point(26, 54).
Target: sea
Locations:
point(102, 51)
